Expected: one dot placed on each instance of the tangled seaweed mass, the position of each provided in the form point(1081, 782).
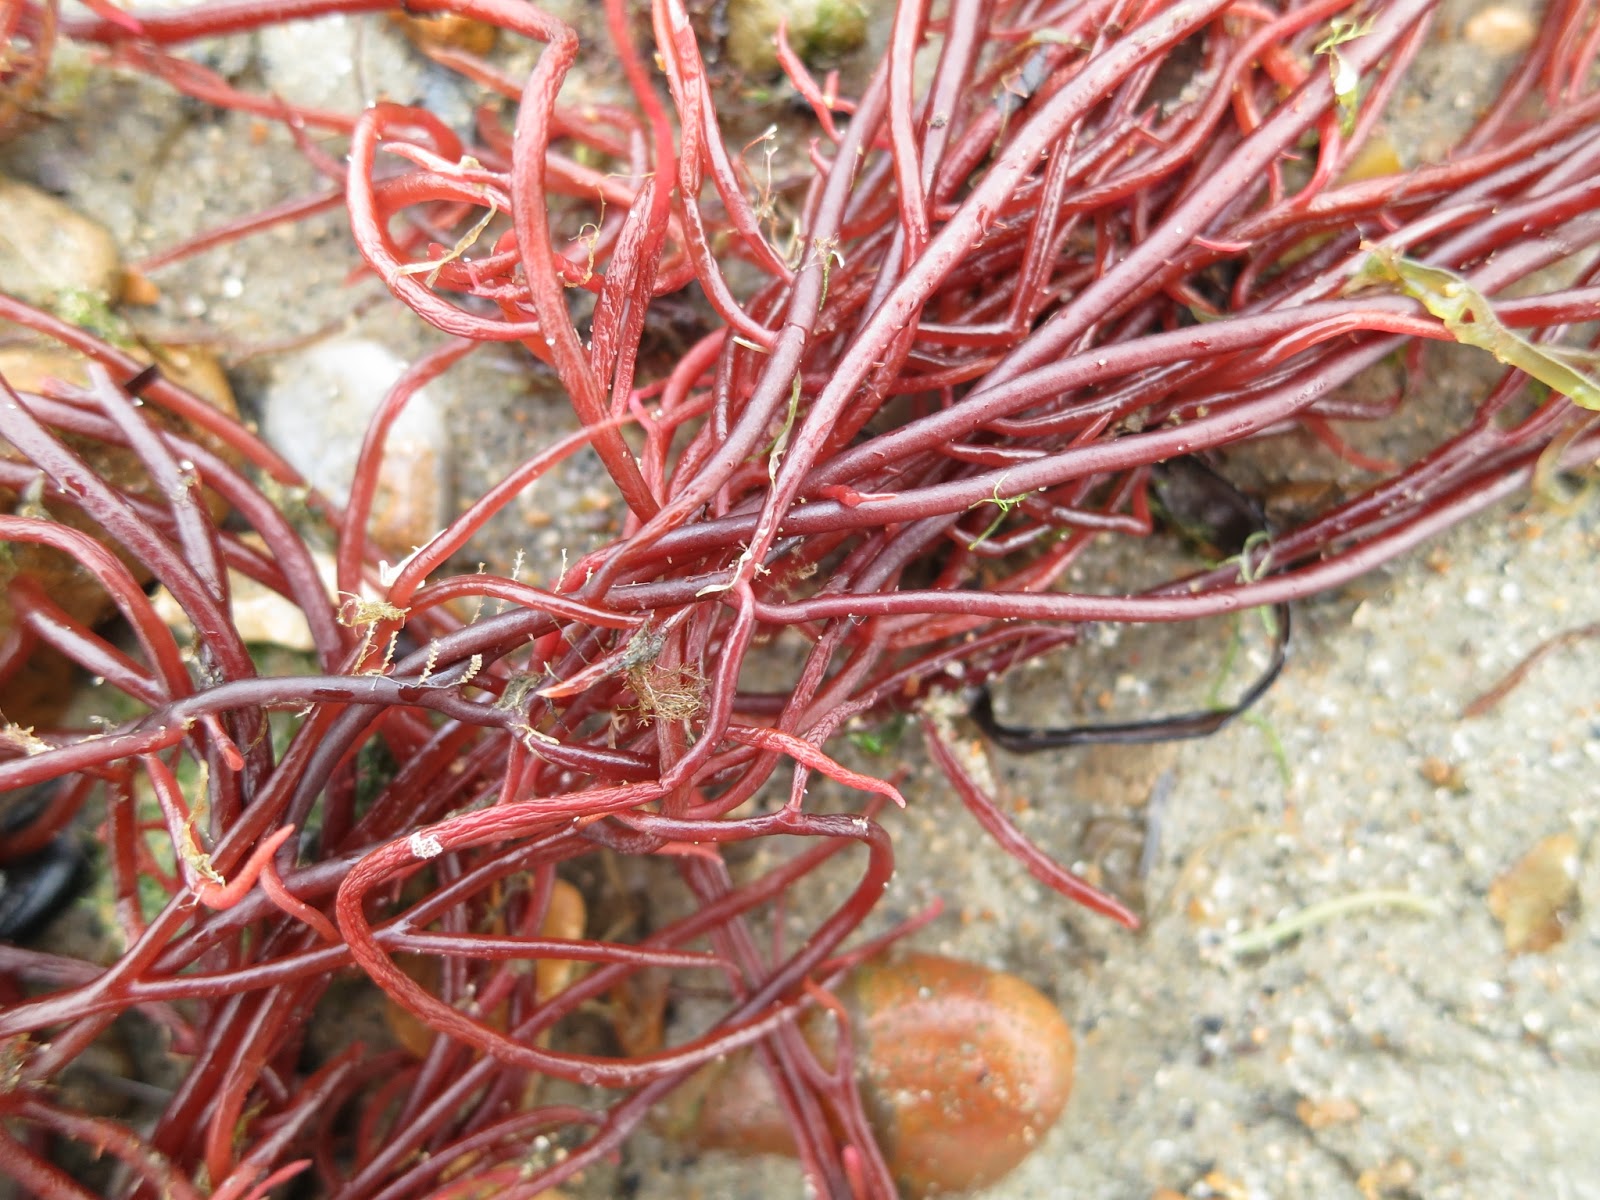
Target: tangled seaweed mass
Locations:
point(1051, 250)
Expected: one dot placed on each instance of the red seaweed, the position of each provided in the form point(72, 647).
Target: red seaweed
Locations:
point(1099, 237)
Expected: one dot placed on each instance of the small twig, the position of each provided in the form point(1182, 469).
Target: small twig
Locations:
point(1268, 937)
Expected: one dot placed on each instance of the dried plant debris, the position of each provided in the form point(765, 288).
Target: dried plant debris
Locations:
point(1535, 901)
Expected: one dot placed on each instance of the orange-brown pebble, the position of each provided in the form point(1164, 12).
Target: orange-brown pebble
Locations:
point(448, 31)
point(1326, 1113)
point(37, 690)
point(1442, 774)
point(966, 1067)
point(564, 918)
point(638, 1011)
point(962, 1071)
point(138, 290)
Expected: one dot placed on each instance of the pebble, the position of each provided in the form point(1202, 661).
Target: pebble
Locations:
point(26, 368)
point(262, 616)
point(348, 63)
point(962, 1070)
point(1500, 29)
point(314, 411)
point(47, 250)
point(820, 31)
point(447, 31)
point(40, 688)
